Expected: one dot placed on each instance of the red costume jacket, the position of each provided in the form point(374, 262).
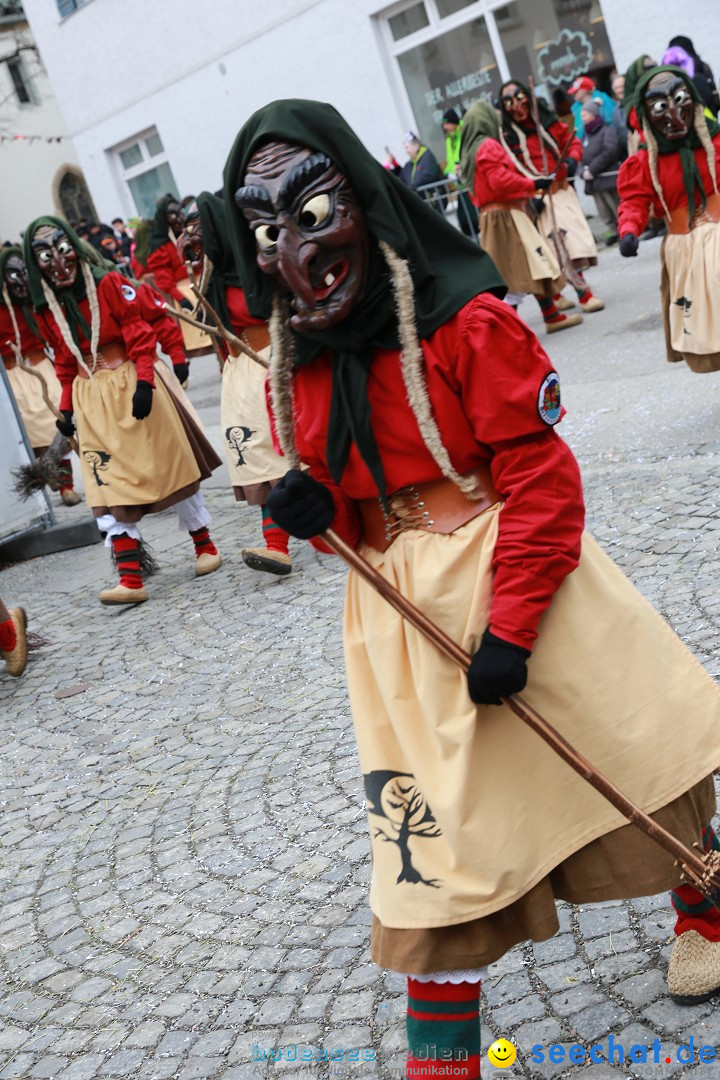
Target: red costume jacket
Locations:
point(485, 373)
point(28, 340)
point(560, 133)
point(237, 306)
point(126, 318)
point(638, 198)
point(496, 178)
point(168, 268)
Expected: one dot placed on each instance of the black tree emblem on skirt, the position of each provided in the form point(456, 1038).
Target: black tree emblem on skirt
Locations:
point(98, 461)
point(397, 798)
point(237, 438)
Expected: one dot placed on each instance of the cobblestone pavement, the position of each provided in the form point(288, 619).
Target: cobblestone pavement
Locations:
point(183, 852)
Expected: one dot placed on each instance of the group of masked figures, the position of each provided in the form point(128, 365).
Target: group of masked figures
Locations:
point(416, 414)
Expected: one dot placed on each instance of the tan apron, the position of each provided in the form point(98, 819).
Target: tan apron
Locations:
point(691, 270)
point(468, 809)
point(168, 376)
point(128, 462)
point(249, 451)
point(526, 261)
point(38, 420)
point(195, 341)
point(570, 219)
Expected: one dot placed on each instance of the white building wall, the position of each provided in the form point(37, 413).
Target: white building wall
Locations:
point(196, 71)
point(28, 169)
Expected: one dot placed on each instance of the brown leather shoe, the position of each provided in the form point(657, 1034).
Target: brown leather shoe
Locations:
point(206, 563)
point(70, 497)
point(16, 660)
point(120, 594)
point(272, 562)
point(563, 324)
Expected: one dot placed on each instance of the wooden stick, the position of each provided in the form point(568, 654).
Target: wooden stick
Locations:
point(220, 332)
point(695, 867)
point(560, 247)
point(216, 348)
point(22, 363)
point(231, 338)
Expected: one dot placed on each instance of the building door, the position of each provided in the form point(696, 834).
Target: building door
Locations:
point(74, 197)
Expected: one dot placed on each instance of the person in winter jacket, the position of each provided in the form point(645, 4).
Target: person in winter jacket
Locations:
point(600, 162)
point(420, 169)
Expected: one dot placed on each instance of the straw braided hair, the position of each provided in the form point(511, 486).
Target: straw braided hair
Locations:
point(59, 316)
point(412, 366)
point(529, 168)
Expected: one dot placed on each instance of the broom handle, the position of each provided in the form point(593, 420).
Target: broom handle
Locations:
point(691, 859)
point(22, 363)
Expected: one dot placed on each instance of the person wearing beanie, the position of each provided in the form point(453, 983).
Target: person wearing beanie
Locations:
point(425, 410)
point(140, 449)
point(676, 177)
point(600, 162)
point(452, 125)
point(583, 90)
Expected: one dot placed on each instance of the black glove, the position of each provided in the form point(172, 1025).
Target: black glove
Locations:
point(542, 183)
point(538, 205)
point(300, 505)
point(571, 165)
point(182, 372)
point(497, 670)
point(185, 303)
point(142, 400)
point(629, 245)
point(66, 426)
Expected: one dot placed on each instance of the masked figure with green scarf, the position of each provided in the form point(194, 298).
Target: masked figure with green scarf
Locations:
point(254, 465)
point(676, 177)
point(426, 412)
point(140, 449)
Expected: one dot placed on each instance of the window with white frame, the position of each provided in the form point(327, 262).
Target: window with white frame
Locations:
point(25, 92)
point(142, 164)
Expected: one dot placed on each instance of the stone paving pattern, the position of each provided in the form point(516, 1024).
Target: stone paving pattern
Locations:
point(183, 853)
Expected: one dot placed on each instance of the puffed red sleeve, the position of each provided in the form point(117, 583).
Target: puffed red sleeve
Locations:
point(636, 194)
point(165, 263)
point(168, 332)
point(496, 178)
point(138, 335)
point(511, 396)
point(65, 363)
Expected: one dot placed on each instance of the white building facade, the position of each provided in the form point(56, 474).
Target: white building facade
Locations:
point(39, 169)
point(154, 92)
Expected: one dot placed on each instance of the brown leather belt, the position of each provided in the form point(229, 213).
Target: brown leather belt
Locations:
point(32, 357)
point(437, 506)
point(680, 217)
point(257, 337)
point(109, 357)
point(514, 204)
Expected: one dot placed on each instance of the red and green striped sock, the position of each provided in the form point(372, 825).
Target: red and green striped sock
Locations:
point(584, 292)
point(550, 312)
point(443, 1029)
point(203, 543)
point(126, 551)
point(694, 911)
point(8, 636)
point(276, 539)
point(66, 483)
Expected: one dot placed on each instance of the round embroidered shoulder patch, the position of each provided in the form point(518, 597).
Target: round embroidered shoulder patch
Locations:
point(128, 292)
point(549, 399)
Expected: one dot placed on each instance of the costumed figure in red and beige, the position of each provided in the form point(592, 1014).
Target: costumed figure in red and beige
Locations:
point(508, 203)
point(676, 177)
point(141, 450)
point(557, 156)
point(426, 411)
point(169, 272)
point(20, 341)
point(254, 464)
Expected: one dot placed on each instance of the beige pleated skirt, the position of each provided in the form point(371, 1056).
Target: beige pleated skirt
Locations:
point(524, 258)
point(38, 420)
point(573, 226)
point(135, 467)
point(251, 458)
point(197, 342)
point(690, 296)
point(468, 809)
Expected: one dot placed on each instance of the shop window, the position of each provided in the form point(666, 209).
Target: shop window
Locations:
point(408, 22)
point(145, 170)
point(554, 41)
point(450, 7)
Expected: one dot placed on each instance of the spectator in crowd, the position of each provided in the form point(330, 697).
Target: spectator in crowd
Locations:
point(105, 241)
point(619, 115)
point(584, 90)
point(452, 125)
point(600, 164)
point(701, 68)
point(679, 57)
point(420, 169)
point(564, 108)
point(123, 237)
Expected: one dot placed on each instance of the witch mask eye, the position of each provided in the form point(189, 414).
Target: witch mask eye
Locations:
point(315, 211)
point(681, 97)
point(64, 247)
point(266, 236)
point(44, 257)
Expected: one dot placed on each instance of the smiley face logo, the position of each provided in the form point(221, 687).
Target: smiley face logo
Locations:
point(502, 1053)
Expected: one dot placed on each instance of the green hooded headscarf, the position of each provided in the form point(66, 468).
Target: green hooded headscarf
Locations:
point(26, 308)
point(480, 122)
point(446, 268)
point(683, 147)
point(69, 298)
point(216, 243)
point(632, 76)
point(160, 231)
